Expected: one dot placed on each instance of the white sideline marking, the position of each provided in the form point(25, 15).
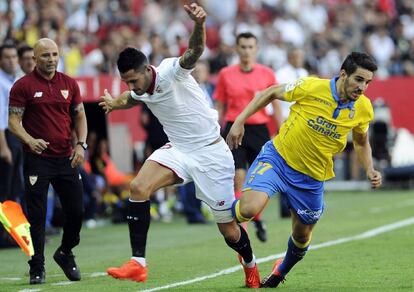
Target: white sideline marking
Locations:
point(364, 235)
point(63, 283)
point(98, 274)
point(11, 279)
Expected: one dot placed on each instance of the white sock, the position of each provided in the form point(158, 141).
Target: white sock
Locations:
point(140, 260)
point(134, 201)
point(251, 264)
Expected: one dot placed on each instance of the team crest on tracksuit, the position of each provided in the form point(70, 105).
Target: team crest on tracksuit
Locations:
point(32, 179)
point(65, 93)
point(352, 114)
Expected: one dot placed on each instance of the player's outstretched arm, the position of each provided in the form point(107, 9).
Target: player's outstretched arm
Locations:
point(198, 36)
point(364, 154)
point(124, 101)
point(262, 99)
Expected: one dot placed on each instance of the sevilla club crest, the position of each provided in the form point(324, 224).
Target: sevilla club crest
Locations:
point(65, 93)
point(33, 179)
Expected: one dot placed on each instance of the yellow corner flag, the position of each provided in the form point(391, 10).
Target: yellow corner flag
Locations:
point(15, 222)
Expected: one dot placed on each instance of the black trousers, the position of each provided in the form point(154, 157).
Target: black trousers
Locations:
point(255, 136)
point(38, 173)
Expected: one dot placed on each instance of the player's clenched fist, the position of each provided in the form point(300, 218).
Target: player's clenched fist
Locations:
point(196, 12)
point(107, 102)
point(375, 177)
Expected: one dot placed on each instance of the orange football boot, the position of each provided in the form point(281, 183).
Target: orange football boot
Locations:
point(252, 276)
point(131, 270)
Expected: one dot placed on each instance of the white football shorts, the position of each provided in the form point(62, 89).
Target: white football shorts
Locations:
point(211, 168)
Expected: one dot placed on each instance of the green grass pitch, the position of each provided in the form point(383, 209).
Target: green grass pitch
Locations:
point(177, 252)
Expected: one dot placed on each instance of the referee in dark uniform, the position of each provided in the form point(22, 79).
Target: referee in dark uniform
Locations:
point(44, 107)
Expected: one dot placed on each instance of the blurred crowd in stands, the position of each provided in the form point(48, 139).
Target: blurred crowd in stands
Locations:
point(91, 32)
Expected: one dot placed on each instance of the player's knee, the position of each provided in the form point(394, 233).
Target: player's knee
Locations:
point(302, 240)
point(230, 231)
point(248, 211)
point(139, 190)
point(242, 212)
point(231, 237)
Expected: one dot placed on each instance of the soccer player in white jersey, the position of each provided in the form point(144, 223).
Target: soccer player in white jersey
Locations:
point(196, 152)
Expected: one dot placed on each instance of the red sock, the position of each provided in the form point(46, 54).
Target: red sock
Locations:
point(258, 217)
point(237, 195)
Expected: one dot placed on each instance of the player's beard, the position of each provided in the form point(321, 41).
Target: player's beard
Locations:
point(351, 95)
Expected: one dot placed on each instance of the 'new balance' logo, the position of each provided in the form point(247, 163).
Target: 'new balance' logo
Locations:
point(38, 94)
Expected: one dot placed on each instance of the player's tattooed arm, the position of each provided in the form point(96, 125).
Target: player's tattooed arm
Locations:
point(195, 49)
point(78, 109)
point(16, 111)
point(16, 127)
point(197, 40)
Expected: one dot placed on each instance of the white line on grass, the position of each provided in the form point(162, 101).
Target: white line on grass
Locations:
point(364, 235)
point(63, 283)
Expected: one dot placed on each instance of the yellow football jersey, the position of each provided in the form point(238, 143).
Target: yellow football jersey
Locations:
point(316, 128)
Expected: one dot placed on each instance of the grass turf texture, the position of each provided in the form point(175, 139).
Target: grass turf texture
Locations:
point(179, 252)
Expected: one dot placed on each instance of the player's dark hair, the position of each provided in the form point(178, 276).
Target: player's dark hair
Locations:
point(6, 46)
point(22, 50)
point(355, 60)
point(131, 58)
point(245, 35)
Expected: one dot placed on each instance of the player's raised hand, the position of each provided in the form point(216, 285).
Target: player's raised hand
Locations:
point(375, 177)
point(107, 102)
point(196, 12)
point(235, 136)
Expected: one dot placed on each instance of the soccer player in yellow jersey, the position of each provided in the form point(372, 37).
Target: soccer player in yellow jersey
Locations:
point(299, 159)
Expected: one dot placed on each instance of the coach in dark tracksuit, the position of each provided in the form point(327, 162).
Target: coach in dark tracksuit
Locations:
point(48, 104)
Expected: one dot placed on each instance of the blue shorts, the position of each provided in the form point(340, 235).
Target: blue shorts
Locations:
point(270, 173)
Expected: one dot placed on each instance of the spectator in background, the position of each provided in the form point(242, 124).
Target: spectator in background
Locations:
point(100, 60)
point(159, 49)
point(11, 153)
point(382, 48)
point(291, 71)
point(26, 59)
point(47, 99)
point(201, 74)
point(236, 87)
point(222, 58)
point(103, 165)
point(85, 19)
